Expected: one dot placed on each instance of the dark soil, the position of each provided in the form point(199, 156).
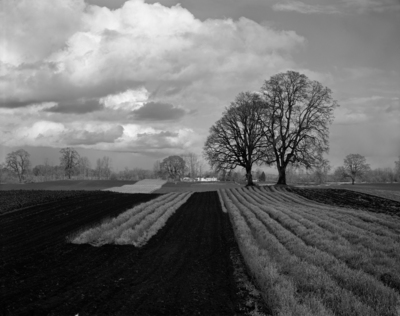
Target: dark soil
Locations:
point(184, 270)
point(85, 185)
point(349, 199)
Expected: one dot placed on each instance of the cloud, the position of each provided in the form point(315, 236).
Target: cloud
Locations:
point(127, 100)
point(371, 109)
point(64, 58)
point(301, 7)
point(373, 5)
point(77, 107)
point(74, 137)
point(157, 111)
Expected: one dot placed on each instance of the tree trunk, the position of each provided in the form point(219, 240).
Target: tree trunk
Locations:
point(282, 175)
point(352, 181)
point(249, 178)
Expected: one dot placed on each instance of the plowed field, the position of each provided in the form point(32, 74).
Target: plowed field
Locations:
point(350, 199)
point(183, 270)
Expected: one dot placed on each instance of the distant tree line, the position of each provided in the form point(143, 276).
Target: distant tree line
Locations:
point(18, 168)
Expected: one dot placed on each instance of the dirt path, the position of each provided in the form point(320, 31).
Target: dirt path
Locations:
point(184, 270)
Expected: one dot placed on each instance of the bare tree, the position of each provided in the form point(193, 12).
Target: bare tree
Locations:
point(173, 167)
point(103, 167)
point(18, 162)
point(355, 165)
point(296, 116)
point(69, 160)
point(237, 139)
point(84, 166)
point(157, 169)
point(192, 163)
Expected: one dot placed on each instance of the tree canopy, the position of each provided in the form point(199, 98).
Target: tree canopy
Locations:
point(174, 167)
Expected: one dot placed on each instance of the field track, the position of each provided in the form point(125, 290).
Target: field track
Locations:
point(184, 269)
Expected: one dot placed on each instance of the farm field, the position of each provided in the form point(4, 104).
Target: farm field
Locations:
point(195, 186)
point(67, 185)
point(184, 269)
point(351, 199)
point(316, 259)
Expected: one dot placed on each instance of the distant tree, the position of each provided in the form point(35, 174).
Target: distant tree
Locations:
point(296, 117)
point(397, 170)
point(321, 171)
point(236, 139)
point(157, 169)
point(103, 168)
point(173, 167)
point(18, 162)
point(84, 167)
point(69, 160)
point(262, 177)
point(355, 165)
point(192, 162)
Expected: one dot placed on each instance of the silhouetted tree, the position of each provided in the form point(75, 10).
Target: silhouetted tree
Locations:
point(295, 118)
point(237, 139)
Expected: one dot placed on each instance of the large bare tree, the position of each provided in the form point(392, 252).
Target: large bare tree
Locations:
point(236, 140)
point(296, 117)
point(355, 165)
point(69, 160)
point(18, 161)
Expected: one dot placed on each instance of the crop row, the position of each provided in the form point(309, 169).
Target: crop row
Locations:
point(135, 226)
point(314, 259)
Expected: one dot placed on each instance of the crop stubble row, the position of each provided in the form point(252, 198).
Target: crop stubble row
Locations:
point(319, 270)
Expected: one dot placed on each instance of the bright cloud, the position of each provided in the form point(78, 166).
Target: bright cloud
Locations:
point(301, 7)
point(90, 70)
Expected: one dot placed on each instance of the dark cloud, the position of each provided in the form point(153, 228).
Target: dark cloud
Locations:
point(156, 141)
point(157, 111)
point(74, 137)
point(76, 107)
point(16, 103)
point(47, 85)
point(159, 135)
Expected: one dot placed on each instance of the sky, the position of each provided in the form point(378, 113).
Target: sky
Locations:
point(141, 80)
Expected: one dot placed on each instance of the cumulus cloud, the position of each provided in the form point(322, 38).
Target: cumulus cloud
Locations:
point(157, 111)
point(301, 7)
point(140, 60)
point(127, 100)
point(84, 137)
